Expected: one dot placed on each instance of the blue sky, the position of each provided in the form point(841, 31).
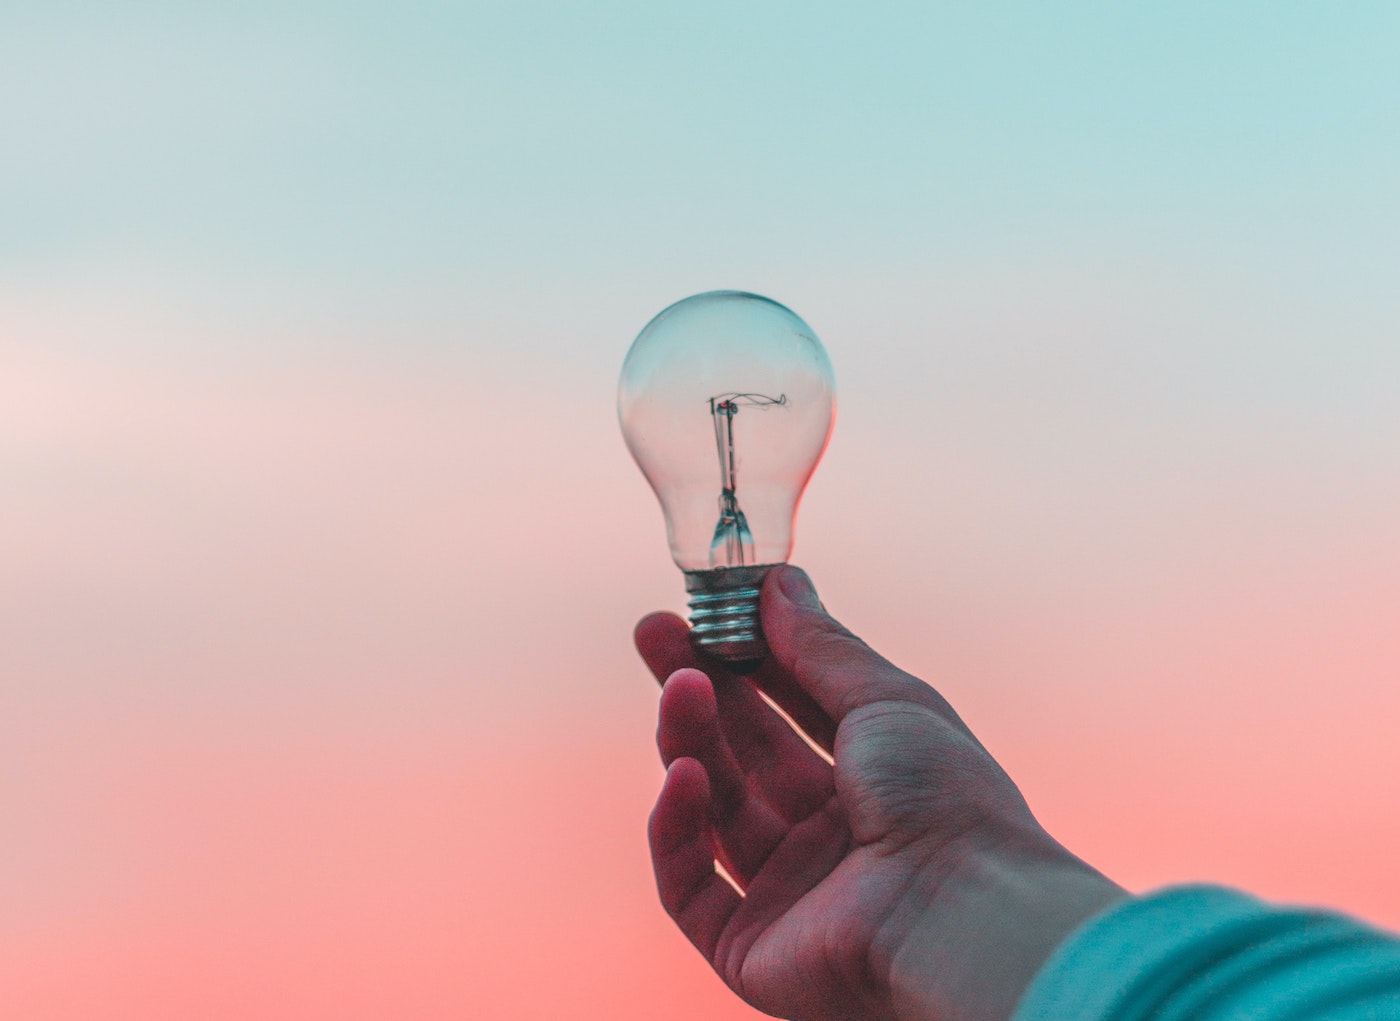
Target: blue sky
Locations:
point(557, 143)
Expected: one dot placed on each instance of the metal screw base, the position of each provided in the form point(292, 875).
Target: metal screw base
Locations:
point(724, 614)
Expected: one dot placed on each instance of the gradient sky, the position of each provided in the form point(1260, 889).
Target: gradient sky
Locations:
point(319, 548)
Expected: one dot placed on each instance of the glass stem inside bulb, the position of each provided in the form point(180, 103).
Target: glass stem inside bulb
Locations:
point(733, 542)
point(732, 545)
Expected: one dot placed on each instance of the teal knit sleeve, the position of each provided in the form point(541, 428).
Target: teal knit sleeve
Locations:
point(1203, 953)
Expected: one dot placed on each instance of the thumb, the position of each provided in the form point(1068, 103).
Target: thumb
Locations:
point(838, 670)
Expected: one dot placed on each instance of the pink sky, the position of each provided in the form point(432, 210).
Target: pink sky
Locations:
point(318, 700)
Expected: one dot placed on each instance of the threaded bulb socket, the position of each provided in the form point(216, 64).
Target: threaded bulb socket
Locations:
point(724, 614)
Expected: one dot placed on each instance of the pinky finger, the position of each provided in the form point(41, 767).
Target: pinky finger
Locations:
point(682, 852)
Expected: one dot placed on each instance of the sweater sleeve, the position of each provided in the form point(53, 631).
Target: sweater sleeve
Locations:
point(1203, 953)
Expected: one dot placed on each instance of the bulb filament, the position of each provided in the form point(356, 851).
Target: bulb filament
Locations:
point(732, 545)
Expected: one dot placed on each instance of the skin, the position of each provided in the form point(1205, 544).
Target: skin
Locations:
point(898, 875)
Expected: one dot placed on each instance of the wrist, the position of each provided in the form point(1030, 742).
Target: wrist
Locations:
point(978, 933)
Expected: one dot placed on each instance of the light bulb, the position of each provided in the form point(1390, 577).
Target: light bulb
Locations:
point(726, 401)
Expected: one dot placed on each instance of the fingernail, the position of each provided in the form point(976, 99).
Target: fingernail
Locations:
point(798, 588)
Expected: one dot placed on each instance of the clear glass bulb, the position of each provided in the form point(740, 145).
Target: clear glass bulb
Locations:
point(727, 401)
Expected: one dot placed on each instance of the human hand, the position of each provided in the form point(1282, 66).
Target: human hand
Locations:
point(906, 879)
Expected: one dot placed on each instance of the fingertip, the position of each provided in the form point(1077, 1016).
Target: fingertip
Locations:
point(688, 697)
point(688, 715)
point(654, 628)
point(663, 640)
point(795, 586)
point(687, 776)
point(681, 814)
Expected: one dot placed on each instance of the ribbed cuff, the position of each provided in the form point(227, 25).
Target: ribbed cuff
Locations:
point(1205, 953)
